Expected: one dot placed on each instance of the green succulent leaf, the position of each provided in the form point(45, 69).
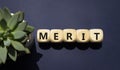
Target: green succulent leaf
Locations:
point(13, 21)
point(24, 40)
point(7, 42)
point(18, 46)
point(21, 16)
point(29, 28)
point(18, 34)
point(12, 53)
point(7, 14)
point(27, 51)
point(3, 25)
point(3, 54)
point(21, 26)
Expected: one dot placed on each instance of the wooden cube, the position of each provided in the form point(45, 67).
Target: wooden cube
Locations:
point(43, 35)
point(82, 35)
point(56, 35)
point(96, 35)
point(69, 35)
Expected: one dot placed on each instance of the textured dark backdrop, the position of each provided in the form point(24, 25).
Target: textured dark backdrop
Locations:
point(71, 14)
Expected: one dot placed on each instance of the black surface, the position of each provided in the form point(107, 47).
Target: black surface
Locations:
point(76, 14)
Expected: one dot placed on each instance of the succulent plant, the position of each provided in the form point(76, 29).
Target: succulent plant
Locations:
point(14, 31)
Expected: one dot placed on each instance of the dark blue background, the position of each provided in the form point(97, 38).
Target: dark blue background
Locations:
point(62, 14)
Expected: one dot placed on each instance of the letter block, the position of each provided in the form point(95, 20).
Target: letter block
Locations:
point(56, 35)
point(43, 35)
point(69, 35)
point(96, 35)
point(83, 35)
